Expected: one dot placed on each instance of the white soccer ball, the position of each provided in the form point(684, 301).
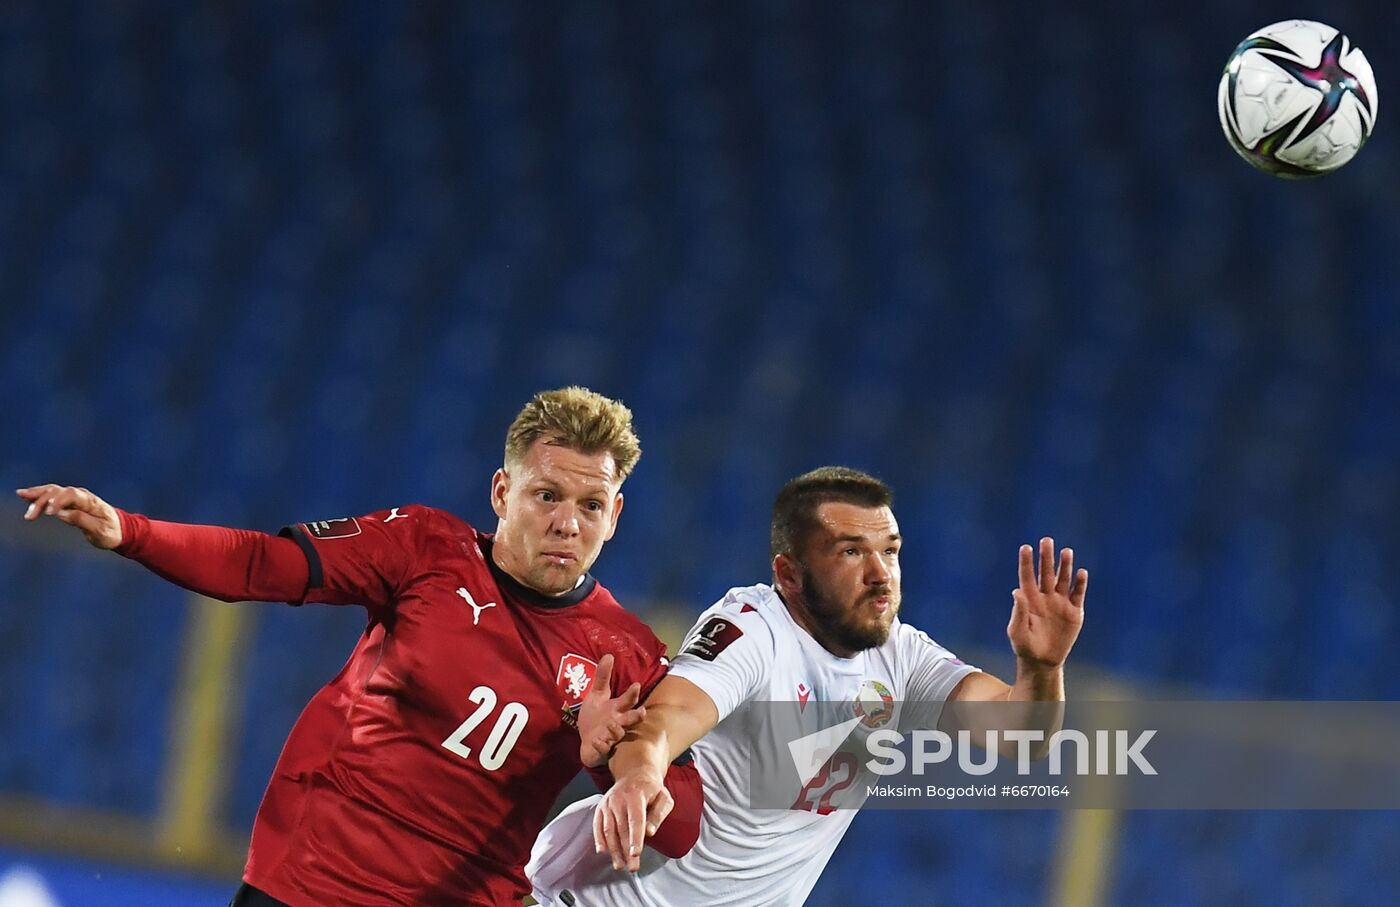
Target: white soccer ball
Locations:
point(1297, 99)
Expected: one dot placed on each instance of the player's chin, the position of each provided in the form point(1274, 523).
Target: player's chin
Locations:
point(868, 634)
point(555, 578)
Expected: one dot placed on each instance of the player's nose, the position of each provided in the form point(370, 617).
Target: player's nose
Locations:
point(877, 572)
point(565, 520)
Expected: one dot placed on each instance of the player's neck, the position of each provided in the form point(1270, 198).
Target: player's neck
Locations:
point(501, 559)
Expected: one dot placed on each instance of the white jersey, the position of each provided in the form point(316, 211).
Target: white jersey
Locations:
point(746, 648)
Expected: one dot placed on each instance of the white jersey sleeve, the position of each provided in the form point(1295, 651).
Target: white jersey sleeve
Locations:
point(728, 653)
point(932, 672)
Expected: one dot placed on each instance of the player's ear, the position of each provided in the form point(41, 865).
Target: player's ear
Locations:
point(788, 576)
point(500, 486)
point(617, 511)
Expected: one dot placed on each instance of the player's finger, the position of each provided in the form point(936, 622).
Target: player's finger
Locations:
point(611, 841)
point(631, 717)
point(608, 830)
point(660, 807)
point(616, 832)
point(71, 499)
point(43, 504)
point(599, 842)
point(1019, 607)
point(33, 491)
point(61, 500)
point(1047, 565)
point(1066, 571)
point(1026, 568)
point(635, 832)
point(89, 524)
point(629, 697)
point(1080, 589)
point(35, 496)
point(602, 678)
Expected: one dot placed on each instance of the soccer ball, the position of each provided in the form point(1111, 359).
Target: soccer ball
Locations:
point(1297, 99)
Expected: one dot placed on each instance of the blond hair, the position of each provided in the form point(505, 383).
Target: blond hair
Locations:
point(579, 419)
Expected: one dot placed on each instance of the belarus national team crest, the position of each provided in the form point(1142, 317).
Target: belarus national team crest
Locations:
point(874, 704)
point(575, 678)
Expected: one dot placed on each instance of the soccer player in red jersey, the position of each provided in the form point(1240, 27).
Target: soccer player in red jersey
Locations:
point(422, 772)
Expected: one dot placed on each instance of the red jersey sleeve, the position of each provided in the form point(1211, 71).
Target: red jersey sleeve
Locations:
point(645, 663)
point(362, 560)
point(229, 564)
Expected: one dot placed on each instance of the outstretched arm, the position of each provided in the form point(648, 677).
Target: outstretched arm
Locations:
point(603, 722)
point(228, 564)
point(1046, 615)
point(678, 713)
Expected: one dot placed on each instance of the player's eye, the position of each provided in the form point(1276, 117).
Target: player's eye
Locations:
point(546, 496)
point(594, 506)
point(850, 552)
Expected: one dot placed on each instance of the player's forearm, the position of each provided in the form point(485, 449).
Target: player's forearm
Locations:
point(1037, 683)
point(643, 751)
point(1042, 690)
point(228, 564)
point(668, 730)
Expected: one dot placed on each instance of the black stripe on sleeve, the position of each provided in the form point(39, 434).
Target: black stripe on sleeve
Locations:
point(314, 575)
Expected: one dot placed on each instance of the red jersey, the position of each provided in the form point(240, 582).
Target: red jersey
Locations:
point(426, 767)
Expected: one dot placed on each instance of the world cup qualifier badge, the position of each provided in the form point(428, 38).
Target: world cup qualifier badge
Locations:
point(575, 678)
point(714, 637)
point(874, 704)
point(340, 528)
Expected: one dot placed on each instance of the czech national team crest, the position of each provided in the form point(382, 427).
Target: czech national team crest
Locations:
point(874, 704)
point(576, 675)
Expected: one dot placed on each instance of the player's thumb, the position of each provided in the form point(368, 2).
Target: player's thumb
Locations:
point(602, 679)
point(659, 808)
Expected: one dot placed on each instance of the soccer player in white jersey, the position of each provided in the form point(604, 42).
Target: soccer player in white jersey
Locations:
point(826, 630)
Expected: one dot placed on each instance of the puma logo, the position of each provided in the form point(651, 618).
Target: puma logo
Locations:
point(476, 609)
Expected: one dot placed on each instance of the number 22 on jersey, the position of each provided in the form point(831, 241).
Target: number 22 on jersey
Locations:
point(507, 729)
point(838, 771)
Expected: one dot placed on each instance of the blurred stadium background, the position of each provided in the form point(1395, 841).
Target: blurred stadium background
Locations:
point(270, 261)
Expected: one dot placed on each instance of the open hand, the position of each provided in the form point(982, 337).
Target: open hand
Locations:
point(629, 813)
point(1048, 609)
point(603, 720)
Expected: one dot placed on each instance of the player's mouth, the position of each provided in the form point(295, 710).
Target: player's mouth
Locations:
point(881, 604)
point(560, 558)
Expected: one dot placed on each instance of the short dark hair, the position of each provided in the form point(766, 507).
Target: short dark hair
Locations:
point(795, 509)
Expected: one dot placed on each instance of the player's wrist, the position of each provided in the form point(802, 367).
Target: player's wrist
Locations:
point(1036, 679)
point(635, 766)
